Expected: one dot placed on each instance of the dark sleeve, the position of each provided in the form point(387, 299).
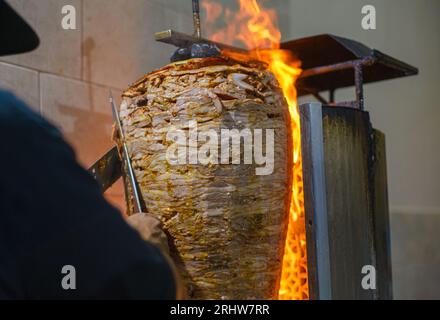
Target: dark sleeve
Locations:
point(53, 215)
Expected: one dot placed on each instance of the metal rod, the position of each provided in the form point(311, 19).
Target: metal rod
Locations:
point(196, 18)
point(320, 98)
point(357, 65)
point(359, 84)
point(336, 67)
point(332, 95)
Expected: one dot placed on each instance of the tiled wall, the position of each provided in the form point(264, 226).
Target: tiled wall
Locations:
point(69, 76)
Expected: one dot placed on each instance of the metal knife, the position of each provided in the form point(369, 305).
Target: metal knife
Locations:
point(108, 169)
point(126, 158)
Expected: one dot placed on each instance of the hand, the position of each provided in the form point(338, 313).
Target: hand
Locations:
point(149, 228)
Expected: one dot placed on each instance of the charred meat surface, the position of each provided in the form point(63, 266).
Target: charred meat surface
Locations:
point(226, 223)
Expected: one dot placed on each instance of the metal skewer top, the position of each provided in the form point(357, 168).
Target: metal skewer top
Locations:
point(196, 18)
point(193, 46)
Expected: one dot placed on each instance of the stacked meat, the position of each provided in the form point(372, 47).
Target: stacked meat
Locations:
point(226, 223)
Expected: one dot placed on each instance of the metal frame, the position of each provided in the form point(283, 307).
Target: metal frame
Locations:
point(345, 202)
point(357, 66)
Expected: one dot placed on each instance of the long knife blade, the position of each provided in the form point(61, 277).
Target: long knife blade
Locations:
point(126, 157)
point(107, 170)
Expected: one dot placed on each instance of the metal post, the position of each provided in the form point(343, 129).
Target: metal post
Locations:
point(315, 202)
point(359, 80)
point(332, 96)
point(196, 18)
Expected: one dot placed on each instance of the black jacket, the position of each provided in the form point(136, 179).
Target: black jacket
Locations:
point(52, 214)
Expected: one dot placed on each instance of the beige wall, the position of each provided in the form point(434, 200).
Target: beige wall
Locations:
point(68, 78)
point(406, 110)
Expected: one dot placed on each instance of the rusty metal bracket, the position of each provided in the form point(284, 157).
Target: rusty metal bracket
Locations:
point(356, 65)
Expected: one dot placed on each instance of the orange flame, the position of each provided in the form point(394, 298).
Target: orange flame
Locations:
point(255, 27)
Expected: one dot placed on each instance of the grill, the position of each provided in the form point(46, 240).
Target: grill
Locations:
point(344, 168)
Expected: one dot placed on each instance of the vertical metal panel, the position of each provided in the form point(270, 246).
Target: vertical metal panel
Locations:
point(381, 219)
point(318, 258)
point(347, 147)
point(346, 204)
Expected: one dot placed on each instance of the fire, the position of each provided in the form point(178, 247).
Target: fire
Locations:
point(255, 27)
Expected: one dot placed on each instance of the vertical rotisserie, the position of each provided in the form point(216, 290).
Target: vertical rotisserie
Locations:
point(227, 223)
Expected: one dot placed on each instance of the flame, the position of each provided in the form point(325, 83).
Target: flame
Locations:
point(213, 10)
point(255, 27)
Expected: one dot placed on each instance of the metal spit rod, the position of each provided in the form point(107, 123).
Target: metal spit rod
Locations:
point(196, 18)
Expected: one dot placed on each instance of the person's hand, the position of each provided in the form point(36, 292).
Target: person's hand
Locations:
point(149, 227)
